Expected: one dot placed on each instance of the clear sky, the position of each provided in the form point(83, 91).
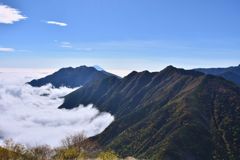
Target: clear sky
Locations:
point(119, 35)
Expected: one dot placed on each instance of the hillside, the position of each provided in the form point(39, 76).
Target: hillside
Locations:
point(230, 73)
point(172, 114)
point(72, 77)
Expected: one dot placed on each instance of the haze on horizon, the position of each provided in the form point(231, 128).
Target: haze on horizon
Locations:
point(119, 36)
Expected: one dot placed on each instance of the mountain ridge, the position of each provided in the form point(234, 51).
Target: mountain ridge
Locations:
point(178, 114)
point(230, 73)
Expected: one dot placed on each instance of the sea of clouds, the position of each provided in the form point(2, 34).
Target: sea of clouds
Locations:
point(30, 115)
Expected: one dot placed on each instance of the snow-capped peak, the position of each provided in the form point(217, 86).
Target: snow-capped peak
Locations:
point(98, 68)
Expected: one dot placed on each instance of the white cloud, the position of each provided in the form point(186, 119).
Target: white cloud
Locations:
point(9, 15)
point(3, 49)
point(29, 115)
point(66, 45)
point(62, 24)
point(69, 45)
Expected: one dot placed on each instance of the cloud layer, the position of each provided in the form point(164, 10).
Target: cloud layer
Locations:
point(62, 24)
point(29, 115)
point(9, 15)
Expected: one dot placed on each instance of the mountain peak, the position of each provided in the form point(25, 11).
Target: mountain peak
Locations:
point(172, 69)
point(98, 68)
point(72, 77)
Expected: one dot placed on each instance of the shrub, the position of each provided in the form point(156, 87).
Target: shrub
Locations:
point(107, 155)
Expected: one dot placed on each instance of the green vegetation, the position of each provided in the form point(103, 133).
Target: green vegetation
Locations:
point(108, 155)
point(74, 147)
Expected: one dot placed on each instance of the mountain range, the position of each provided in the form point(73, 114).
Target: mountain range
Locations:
point(171, 114)
point(229, 73)
point(79, 76)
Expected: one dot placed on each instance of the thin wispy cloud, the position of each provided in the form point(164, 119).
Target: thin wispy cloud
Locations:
point(62, 24)
point(66, 45)
point(9, 15)
point(23, 50)
point(3, 49)
point(69, 45)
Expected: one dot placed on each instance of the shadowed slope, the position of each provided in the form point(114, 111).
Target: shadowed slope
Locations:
point(172, 114)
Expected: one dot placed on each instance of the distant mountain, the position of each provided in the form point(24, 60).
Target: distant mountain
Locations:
point(167, 115)
point(72, 77)
point(230, 73)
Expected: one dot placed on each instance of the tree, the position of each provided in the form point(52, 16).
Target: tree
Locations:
point(80, 143)
point(43, 152)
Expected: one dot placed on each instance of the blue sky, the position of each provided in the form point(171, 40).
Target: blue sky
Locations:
point(120, 35)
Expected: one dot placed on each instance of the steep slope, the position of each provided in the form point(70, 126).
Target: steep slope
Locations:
point(230, 73)
point(72, 77)
point(172, 114)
